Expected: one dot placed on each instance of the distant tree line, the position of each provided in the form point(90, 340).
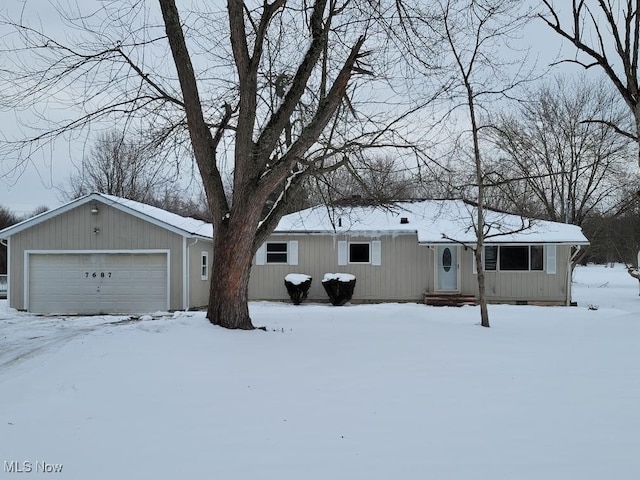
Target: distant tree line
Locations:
point(8, 218)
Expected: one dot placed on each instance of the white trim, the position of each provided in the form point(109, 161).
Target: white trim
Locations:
point(168, 278)
point(9, 272)
point(27, 253)
point(185, 273)
point(25, 280)
point(204, 262)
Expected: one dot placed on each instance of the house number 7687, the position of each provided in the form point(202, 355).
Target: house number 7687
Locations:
point(97, 274)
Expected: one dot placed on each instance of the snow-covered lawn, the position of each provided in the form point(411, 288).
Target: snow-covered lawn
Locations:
point(356, 392)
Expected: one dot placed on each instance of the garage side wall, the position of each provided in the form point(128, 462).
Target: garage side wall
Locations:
point(109, 229)
point(199, 283)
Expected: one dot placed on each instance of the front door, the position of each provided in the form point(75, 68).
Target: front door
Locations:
point(447, 267)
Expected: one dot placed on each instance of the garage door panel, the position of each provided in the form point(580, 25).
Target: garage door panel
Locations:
point(98, 283)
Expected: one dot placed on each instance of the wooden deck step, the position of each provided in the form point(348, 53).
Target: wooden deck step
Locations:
point(449, 299)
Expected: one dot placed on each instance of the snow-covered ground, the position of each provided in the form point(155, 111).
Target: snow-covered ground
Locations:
point(355, 392)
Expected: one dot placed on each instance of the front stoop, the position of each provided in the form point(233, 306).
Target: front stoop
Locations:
point(449, 299)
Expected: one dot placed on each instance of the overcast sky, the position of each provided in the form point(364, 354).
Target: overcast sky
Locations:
point(37, 183)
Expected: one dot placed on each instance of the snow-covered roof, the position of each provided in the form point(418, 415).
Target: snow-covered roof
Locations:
point(434, 221)
point(185, 226)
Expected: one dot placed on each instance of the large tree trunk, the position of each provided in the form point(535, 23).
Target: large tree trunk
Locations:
point(234, 245)
point(231, 267)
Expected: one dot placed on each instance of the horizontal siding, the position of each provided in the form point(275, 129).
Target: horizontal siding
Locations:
point(74, 230)
point(400, 277)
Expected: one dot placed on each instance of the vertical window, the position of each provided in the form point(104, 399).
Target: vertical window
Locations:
point(491, 257)
point(277, 252)
point(204, 266)
point(359, 253)
point(537, 257)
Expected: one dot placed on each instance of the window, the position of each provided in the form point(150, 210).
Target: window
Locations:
point(359, 253)
point(491, 257)
point(514, 258)
point(277, 252)
point(204, 266)
point(537, 257)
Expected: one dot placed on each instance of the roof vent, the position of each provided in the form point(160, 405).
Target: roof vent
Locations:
point(404, 220)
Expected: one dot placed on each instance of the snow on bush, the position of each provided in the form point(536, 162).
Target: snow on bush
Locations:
point(297, 278)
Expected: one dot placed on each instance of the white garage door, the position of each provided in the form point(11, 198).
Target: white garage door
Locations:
point(98, 283)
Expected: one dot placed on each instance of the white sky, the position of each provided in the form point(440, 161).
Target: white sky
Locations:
point(36, 184)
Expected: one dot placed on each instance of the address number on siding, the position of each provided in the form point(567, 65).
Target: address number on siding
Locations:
point(97, 274)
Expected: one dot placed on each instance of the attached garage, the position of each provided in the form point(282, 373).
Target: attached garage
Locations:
point(98, 282)
point(101, 254)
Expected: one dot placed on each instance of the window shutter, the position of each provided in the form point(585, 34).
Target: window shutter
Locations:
point(342, 253)
point(473, 260)
point(376, 252)
point(261, 255)
point(551, 259)
point(293, 252)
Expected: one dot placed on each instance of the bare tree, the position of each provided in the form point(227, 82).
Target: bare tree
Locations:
point(268, 105)
point(477, 33)
point(606, 34)
point(7, 218)
point(377, 180)
point(555, 161)
point(117, 166)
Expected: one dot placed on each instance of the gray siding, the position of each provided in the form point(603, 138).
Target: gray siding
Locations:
point(511, 287)
point(406, 270)
point(406, 273)
point(73, 230)
point(198, 288)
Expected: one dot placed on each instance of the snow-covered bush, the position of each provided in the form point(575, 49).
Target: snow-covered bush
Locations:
point(297, 286)
point(339, 287)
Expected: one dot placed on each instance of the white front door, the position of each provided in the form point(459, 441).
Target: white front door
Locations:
point(447, 267)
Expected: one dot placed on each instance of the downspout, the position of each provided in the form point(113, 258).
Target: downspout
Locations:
point(186, 271)
point(571, 261)
point(5, 242)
